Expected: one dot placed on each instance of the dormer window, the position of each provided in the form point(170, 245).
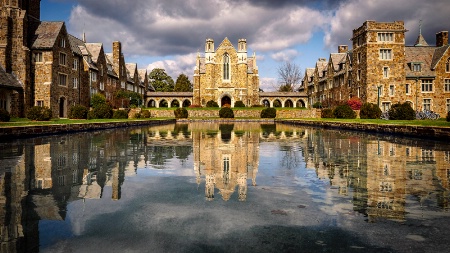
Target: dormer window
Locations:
point(226, 67)
point(62, 43)
point(417, 67)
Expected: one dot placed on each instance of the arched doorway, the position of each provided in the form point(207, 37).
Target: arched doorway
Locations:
point(226, 101)
point(288, 103)
point(175, 103)
point(186, 103)
point(266, 103)
point(151, 103)
point(62, 107)
point(301, 103)
point(277, 103)
point(163, 103)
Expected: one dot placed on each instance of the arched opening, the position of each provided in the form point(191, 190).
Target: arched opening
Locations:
point(226, 67)
point(151, 103)
point(288, 103)
point(301, 103)
point(175, 103)
point(226, 101)
point(266, 103)
point(163, 103)
point(186, 103)
point(62, 107)
point(277, 103)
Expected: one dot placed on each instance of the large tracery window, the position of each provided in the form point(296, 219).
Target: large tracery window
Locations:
point(226, 67)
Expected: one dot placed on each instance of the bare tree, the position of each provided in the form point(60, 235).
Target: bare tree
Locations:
point(290, 76)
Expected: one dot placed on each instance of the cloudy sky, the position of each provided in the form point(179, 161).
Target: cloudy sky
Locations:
point(168, 34)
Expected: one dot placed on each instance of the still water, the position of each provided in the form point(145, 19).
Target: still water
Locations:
point(210, 187)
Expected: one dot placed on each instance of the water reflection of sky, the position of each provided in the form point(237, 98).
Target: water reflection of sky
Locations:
point(283, 190)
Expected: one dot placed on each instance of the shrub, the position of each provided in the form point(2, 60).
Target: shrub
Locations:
point(97, 100)
point(120, 114)
point(269, 113)
point(344, 112)
point(146, 114)
point(4, 115)
point(402, 112)
point(448, 116)
point(354, 103)
point(212, 103)
point(239, 104)
point(103, 111)
point(226, 112)
point(138, 115)
point(39, 113)
point(370, 111)
point(327, 113)
point(317, 105)
point(78, 112)
point(181, 113)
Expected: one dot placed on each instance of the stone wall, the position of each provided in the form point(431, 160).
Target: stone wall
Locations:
point(30, 131)
point(437, 133)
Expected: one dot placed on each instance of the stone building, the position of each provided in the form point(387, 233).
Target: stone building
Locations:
point(381, 69)
point(226, 75)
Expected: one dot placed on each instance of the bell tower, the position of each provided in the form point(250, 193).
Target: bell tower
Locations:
point(209, 51)
point(242, 51)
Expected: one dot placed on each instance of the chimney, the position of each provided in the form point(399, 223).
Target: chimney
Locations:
point(441, 38)
point(117, 52)
point(342, 49)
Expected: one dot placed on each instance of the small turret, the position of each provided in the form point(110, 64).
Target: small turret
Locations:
point(209, 51)
point(242, 51)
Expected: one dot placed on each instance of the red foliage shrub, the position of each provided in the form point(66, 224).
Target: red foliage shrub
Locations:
point(354, 103)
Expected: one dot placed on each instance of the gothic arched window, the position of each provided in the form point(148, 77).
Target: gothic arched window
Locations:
point(447, 65)
point(226, 67)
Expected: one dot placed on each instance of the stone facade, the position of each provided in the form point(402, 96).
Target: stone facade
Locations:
point(41, 64)
point(226, 75)
point(381, 69)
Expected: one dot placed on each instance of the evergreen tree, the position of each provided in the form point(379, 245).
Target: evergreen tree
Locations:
point(159, 79)
point(183, 84)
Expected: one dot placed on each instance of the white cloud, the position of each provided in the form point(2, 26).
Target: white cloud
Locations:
point(268, 83)
point(285, 55)
point(182, 64)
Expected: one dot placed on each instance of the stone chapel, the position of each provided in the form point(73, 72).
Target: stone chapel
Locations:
point(226, 75)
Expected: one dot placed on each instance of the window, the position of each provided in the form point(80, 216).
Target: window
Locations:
point(75, 64)
point(226, 67)
point(62, 59)
point(102, 86)
point(385, 106)
point(94, 76)
point(385, 72)
point(427, 155)
point(40, 103)
point(407, 88)
point(380, 90)
point(122, 85)
point(386, 54)
point(417, 67)
point(447, 85)
point(391, 90)
point(75, 82)
point(359, 58)
point(427, 85)
point(447, 65)
point(62, 43)
point(427, 104)
point(37, 57)
point(62, 79)
point(385, 37)
point(448, 104)
point(358, 77)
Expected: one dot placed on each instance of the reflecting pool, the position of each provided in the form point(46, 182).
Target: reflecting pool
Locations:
point(211, 187)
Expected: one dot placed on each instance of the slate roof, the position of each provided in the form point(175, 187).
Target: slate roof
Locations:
point(423, 55)
point(74, 44)
point(336, 59)
point(321, 66)
point(46, 35)
point(142, 73)
point(438, 54)
point(8, 80)
point(109, 63)
point(94, 49)
point(421, 41)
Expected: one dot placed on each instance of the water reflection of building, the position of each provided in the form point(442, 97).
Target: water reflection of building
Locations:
point(226, 157)
point(382, 173)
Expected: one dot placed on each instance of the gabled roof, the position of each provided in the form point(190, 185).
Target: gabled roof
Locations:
point(438, 54)
point(46, 35)
point(75, 44)
point(8, 80)
point(142, 74)
point(321, 65)
point(109, 63)
point(132, 68)
point(94, 49)
point(336, 59)
point(422, 55)
point(226, 43)
point(421, 41)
